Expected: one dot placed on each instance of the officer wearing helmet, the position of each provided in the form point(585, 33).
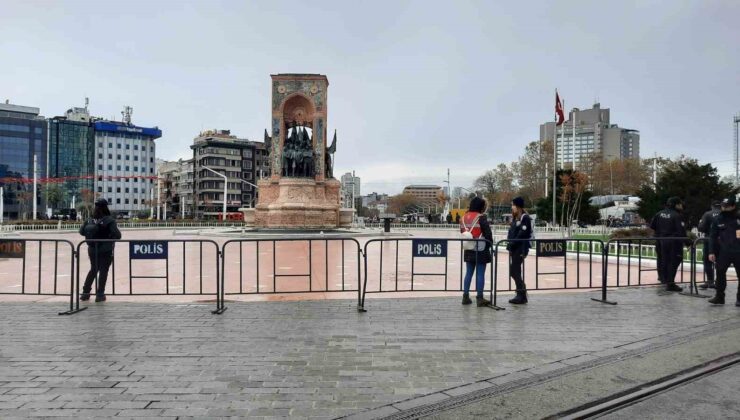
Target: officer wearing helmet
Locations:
point(724, 247)
point(668, 223)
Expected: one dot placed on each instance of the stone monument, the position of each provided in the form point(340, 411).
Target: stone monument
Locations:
point(301, 192)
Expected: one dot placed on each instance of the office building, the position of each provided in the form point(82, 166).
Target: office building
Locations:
point(350, 187)
point(71, 157)
point(23, 135)
point(595, 136)
point(125, 169)
point(233, 157)
point(425, 194)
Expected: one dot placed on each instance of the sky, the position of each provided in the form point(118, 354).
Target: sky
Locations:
point(415, 87)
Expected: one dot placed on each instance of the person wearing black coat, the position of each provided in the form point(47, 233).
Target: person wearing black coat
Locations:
point(724, 247)
point(704, 226)
point(668, 223)
point(101, 226)
point(476, 259)
point(519, 234)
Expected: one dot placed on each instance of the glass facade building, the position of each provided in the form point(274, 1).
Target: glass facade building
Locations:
point(71, 157)
point(23, 134)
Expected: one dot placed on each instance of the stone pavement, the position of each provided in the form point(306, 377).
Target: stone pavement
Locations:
point(310, 359)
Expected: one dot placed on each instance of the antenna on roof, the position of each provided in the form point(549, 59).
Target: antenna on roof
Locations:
point(127, 111)
point(87, 102)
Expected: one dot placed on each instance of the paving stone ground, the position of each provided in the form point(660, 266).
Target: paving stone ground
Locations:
point(307, 359)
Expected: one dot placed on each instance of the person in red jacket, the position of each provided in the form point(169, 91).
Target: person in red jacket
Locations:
point(476, 259)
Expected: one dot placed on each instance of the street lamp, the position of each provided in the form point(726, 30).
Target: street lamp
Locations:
point(249, 183)
point(458, 197)
point(226, 183)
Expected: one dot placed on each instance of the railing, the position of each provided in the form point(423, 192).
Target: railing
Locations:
point(122, 225)
point(264, 262)
point(328, 265)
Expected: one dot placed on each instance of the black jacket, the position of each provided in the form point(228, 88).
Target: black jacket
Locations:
point(668, 223)
point(105, 228)
point(481, 256)
point(723, 234)
point(520, 229)
point(706, 220)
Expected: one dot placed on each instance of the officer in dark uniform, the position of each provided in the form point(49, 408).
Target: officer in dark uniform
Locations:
point(724, 247)
point(705, 225)
point(520, 229)
point(668, 223)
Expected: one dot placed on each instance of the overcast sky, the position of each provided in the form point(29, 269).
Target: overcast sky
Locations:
point(416, 87)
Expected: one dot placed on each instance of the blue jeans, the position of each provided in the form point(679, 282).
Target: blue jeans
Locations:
point(480, 277)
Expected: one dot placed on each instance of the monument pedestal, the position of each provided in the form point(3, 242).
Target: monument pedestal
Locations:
point(298, 203)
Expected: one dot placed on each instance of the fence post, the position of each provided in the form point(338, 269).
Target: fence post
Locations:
point(693, 289)
point(74, 282)
point(604, 271)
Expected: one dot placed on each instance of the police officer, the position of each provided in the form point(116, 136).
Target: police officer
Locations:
point(520, 229)
point(705, 225)
point(668, 223)
point(724, 247)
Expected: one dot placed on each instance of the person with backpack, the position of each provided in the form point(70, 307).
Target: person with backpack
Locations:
point(101, 226)
point(477, 254)
point(519, 234)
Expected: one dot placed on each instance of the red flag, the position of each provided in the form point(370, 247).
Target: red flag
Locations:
point(559, 115)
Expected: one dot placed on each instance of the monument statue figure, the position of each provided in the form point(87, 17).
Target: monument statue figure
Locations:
point(329, 157)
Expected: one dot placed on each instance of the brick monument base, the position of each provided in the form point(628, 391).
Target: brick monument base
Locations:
point(298, 203)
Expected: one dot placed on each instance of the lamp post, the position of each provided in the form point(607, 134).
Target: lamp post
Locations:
point(226, 183)
point(249, 183)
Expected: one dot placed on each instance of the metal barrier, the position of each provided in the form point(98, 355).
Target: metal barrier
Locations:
point(282, 254)
point(426, 248)
point(32, 257)
point(581, 250)
point(149, 255)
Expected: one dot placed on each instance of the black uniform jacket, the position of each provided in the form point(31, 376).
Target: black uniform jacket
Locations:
point(723, 236)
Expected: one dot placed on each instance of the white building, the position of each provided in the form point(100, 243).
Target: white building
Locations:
point(350, 189)
point(125, 167)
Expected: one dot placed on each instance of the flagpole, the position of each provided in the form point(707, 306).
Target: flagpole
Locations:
point(554, 163)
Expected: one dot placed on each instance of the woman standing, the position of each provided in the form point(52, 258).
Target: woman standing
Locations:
point(101, 226)
point(479, 256)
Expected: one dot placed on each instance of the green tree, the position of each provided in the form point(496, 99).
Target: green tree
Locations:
point(54, 195)
point(697, 185)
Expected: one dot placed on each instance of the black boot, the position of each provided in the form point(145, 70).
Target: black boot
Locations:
point(707, 285)
point(84, 296)
point(481, 301)
point(466, 299)
point(99, 298)
point(520, 299)
point(718, 299)
point(673, 287)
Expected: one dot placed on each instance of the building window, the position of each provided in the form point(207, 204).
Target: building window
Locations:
point(118, 157)
point(118, 146)
point(151, 159)
point(136, 158)
point(125, 201)
point(100, 189)
point(128, 168)
point(151, 170)
point(136, 147)
point(136, 169)
point(100, 144)
point(110, 167)
point(128, 147)
point(110, 189)
point(110, 156)
point(110, 145)
point(136, 190)
point(136, 201)
point(118, 201)
point(100, 167)
point(126, 192)
point(128, 157)
point(118, 189)
point(118, 167)
point(100, 155)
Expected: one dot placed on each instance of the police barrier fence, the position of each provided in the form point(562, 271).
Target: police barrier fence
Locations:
point(419, 265)
point(44, 267)
point(291, 265)
point(154, 267)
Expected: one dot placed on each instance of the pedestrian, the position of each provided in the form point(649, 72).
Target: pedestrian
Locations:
point(101, 226)
point(520, 232)
point(705, 224)
point(477, 258)
point(457, 218)
point(668, 223)
point(724, 247)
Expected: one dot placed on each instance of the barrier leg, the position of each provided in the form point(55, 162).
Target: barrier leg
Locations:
point(494, 277)
point(74, 285)
point(220, 295)
point(693, 289)
point(604, 270)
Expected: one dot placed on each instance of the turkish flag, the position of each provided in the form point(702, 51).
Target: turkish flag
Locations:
point(559, 115)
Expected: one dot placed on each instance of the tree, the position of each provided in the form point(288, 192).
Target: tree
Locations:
point(497, 185)
point(697, 185)
point(54, 195)
point(572, 202)
point(402, 203)
point(533, 169)
point(619, 176)
point(86, 203)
